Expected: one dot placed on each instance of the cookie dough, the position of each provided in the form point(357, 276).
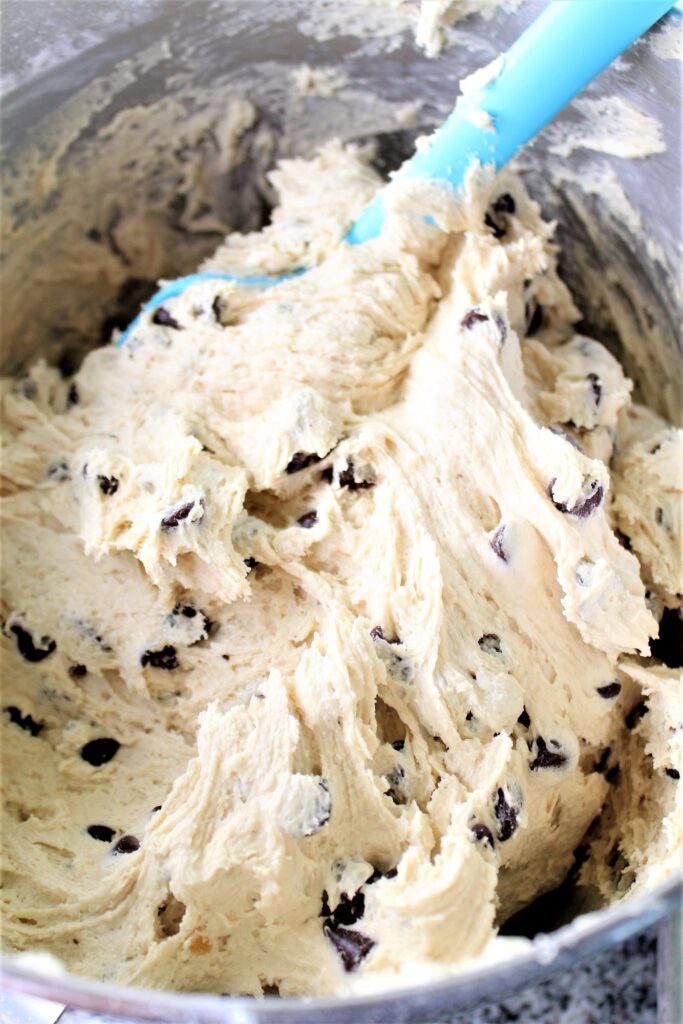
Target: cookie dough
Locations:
point(328, 609)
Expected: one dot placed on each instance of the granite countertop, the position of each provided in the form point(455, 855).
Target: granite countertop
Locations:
point(618, 987)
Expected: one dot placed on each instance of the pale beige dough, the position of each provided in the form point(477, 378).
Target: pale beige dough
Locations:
point(335, 565)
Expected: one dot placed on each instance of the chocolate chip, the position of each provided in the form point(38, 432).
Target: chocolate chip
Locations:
point(668, 646)
point(472, 318)
point(498, 544)
point(176, 515)
point(601, 763)
point(58, 471)
point(108, 484)
point(612, 775)
point(100, 751)
point(395, 778)
point(348, 910)
point(490, 643)
point(596, 387)
point(24, 722)
point(534, 319)
point(101, 832)
point(524, 719)
point(126, 844)
point(377, 875)
point(322, 812)
point(482, 834)
point(72, 396)
point(324, 906)
point(76, 671)
point(497, 214)
point(28, 648)
point(308, 520)
point(469, 716)
point(673, 773)
point(351, 945)
point(216, 308)
point(347, 479)
point(187, 610)
point(398, 744)
point(506, 815)
point(163, 318)
point(251, 563)
point(327, 474)
point(301, 460)
point(635, 715)
point(377, 633)
point(546, 758)
point(165, 658)
point(585, 507)
point(610, 690)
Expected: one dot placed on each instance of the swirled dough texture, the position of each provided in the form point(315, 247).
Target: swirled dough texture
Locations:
point(321, 650)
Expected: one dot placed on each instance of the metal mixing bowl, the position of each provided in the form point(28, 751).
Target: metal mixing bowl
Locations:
point(113, 114)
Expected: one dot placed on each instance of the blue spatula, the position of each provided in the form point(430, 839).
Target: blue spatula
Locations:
point(567, 46)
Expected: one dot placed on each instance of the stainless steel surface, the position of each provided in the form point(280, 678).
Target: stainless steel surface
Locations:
point(670, 967)
point(236, 47)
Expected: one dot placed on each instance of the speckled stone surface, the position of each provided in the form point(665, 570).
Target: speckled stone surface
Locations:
point(618, 987)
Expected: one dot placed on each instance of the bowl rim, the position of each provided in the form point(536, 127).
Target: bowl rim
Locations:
point(546, 954)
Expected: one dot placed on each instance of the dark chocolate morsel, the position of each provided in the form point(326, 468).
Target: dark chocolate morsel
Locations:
point(72, 396)
point(348, 910)
point(506, 815)
point(496, 217)
point(524, 719)
point(58, 471)
point(673, 773)
point(668, 646)
point(126, 844)
point(534, 319)
point(398, 744)
point(24, 722)
point(251, 563)
point(108, 484)
point(163, 318)
point(635, 715)
point(583, 508)
point(327, 474)
point(596, 387)
point(98, 752)
point(165, 658)
point(602, 761)
point(28, 648)
point(351, 945)
point(472, 318)
point(101, 832)
point(498, 544)
point(610, 690)
point(490, 643)
point(482, 833)
point(76, 671)
point(546, 758)
point(348, 479)
point(176, 515)
point(308, 520)
point(301, 460)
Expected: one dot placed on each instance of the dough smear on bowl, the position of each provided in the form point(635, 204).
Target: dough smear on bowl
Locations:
point(328, 609)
